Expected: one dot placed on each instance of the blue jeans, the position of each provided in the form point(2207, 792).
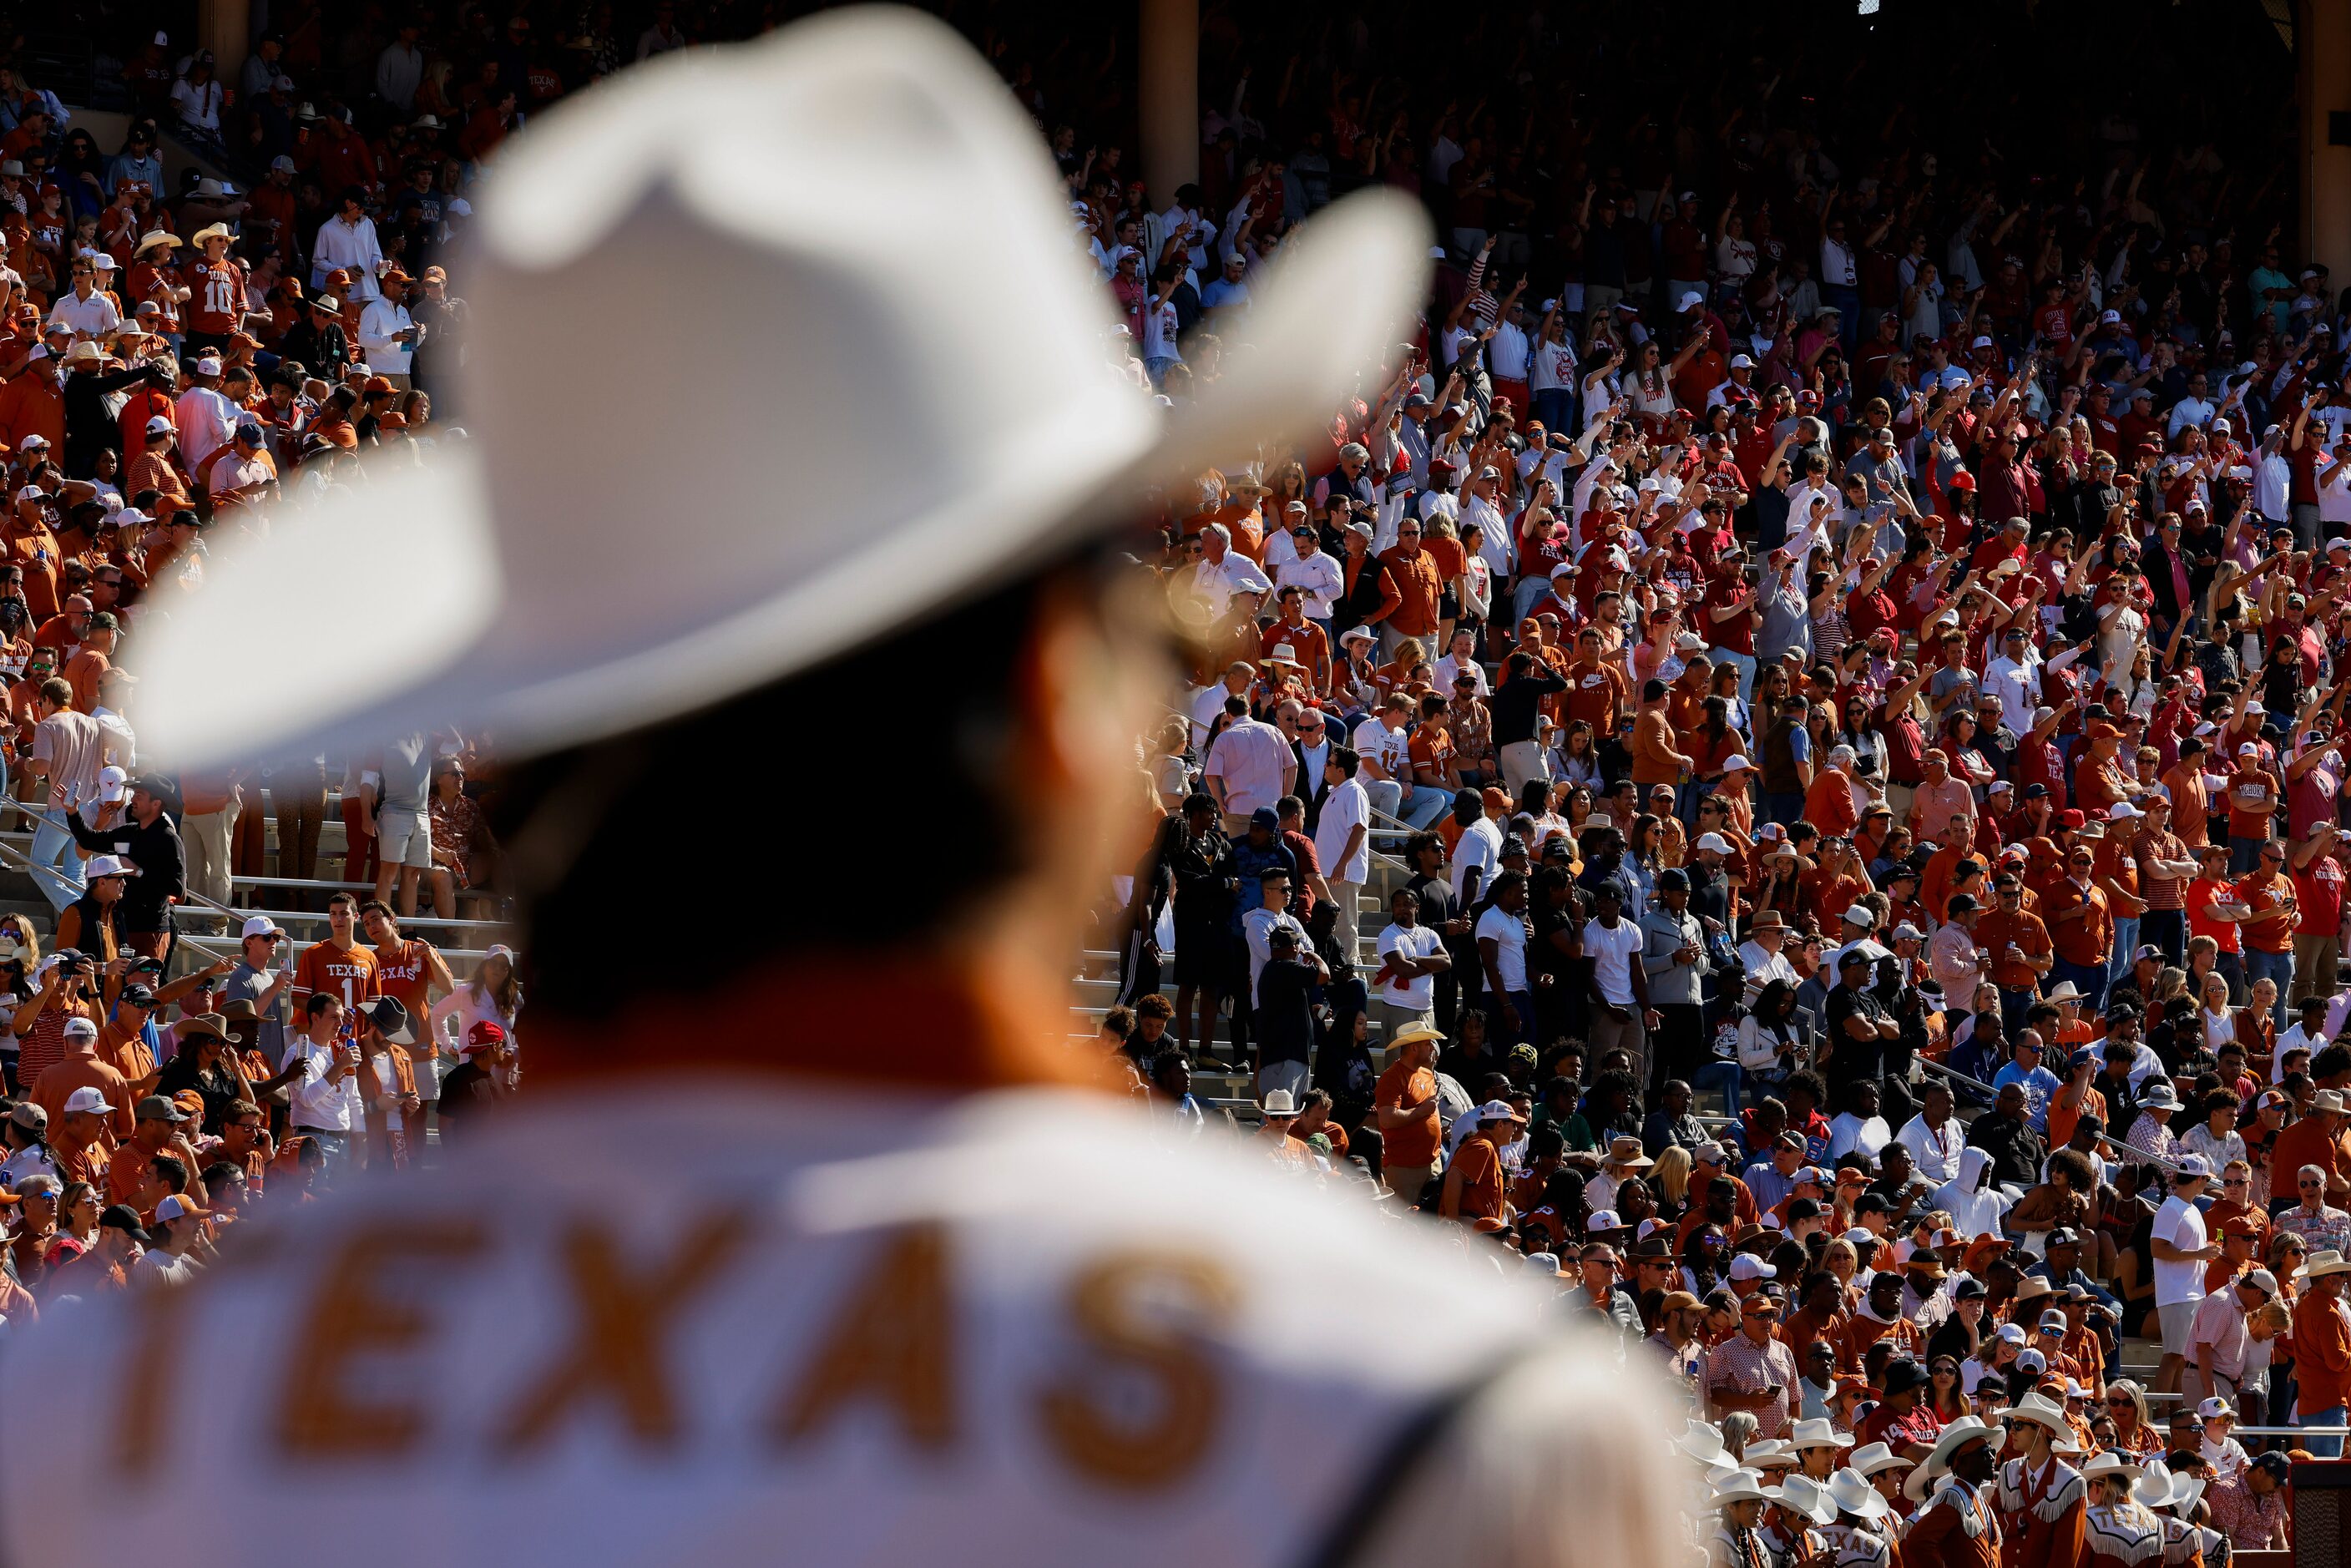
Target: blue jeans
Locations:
point(1523, 598)
point(1743, 662)
point(1783, 808)
point(2244, 854)
point(1555, 406)
point(2335, 1418)
point(2167, 929)
point(1727, 1077)
point(1513, 1018)
point(1424, 804)
point(52, 852)
point(2118, 962)
point(2089, 978)
point(2275, 967)
point(1387, 798)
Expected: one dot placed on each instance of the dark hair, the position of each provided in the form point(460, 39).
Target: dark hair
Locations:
point(574, 819)
point(319, 1002)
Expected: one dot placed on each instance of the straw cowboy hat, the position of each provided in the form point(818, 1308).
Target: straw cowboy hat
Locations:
point(1020, 440)
point(1955, 1436)
point(1625, 1154)
point(1849, 1491)
point(154, 237)
point(2324, 1261)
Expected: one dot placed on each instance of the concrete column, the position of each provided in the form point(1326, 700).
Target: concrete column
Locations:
point(1168, 95)
point(224, 26)
point(2323, 42)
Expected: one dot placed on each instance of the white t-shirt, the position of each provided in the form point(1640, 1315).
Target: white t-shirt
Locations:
point(1481, 846)
point(1509, 936)
point(1391, 748)
point(1345, 809)
point(2180, 1223)
point(1612, 954)
point(1419, 993)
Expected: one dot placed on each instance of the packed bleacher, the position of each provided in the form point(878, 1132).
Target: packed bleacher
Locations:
point(1779, 769)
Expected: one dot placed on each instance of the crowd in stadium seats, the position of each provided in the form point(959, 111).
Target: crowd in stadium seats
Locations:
point(1829, 625)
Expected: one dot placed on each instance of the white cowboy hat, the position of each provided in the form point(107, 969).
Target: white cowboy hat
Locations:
point(2324, 1261)
point(1702, 1441)
point(1849, 1491)
point(1954, 1438)
point(2041, 1408)
point(1742, 1485)
point(1820, 1434)
point(1770, 1453)
point(1277, 1102)
point(2112, 1463)
point(1872, 1458)
point(1807, 1498)
point(503, 562)
point(2157, 1487)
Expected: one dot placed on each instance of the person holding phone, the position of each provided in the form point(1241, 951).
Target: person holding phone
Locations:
point(326, 1104)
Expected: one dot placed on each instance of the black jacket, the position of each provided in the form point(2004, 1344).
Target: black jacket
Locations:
point(162, 867)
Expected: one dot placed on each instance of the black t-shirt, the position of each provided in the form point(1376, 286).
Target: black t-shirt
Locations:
point(464, 1094)
point(1852, 1060)
point(1514, 703)
point(1544, 957)
point(1285, 1024)
point(1710, 894)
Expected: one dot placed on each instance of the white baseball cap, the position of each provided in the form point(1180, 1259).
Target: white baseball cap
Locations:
point(1714, 842)
point(1690, 300)
point(1747, 1266)
point(260, 925)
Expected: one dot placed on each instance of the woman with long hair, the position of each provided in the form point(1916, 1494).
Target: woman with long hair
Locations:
point(490, 996)
point(1943, 1395)
point(24, 1132)
point(2127, 1405)
point(2217, 1018)
point(1579, 759)
point(1703, 1260)
point(77, 1232)
point(1671, 1176)
point(1772, 1042)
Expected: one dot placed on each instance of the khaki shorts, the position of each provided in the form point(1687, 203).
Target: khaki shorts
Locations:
point(2179, 1326)
point(404, 839)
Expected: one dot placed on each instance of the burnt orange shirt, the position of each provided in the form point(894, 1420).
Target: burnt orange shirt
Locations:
point(2086, 940)
point(1479, 1164)
point(1415, 1143)
point(1995, 929)
point(2258, 891)
point(349, 973)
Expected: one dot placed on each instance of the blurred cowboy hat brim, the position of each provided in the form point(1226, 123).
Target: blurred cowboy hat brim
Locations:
point(598, 560)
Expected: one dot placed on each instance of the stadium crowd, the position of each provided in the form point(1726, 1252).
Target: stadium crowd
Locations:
point(1818, 633)
point(1829, 622)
